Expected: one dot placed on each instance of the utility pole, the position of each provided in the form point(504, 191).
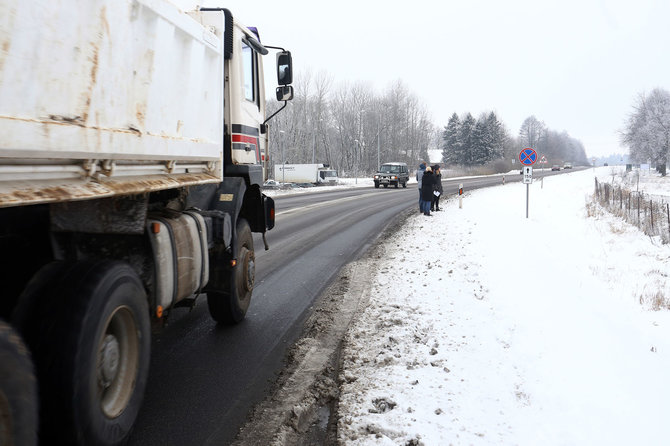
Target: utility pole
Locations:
point(283, 158)
point(358, 144)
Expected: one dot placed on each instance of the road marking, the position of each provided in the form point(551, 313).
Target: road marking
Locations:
point(321, 204)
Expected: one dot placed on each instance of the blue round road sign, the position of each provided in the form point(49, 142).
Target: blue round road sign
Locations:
point(528, 157)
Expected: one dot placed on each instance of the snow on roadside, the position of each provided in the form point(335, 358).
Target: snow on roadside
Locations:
point(484, 327)
point(343, 183)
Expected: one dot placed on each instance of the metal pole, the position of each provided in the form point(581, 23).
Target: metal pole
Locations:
point(356, 162)
point(527, 197)
point(379, 124)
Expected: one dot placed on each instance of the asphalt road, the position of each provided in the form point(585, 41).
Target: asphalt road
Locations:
point(204, 378)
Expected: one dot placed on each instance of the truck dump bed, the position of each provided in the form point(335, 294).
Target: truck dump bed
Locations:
point(100, 98)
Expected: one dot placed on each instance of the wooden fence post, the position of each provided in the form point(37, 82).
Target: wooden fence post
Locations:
point(638, 209)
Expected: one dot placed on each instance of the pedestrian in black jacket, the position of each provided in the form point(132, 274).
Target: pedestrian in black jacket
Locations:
point(427, 183)
point(419, 176)
point(437, 187)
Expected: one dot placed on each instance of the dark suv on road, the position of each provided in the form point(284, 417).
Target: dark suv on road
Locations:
point(395, 174)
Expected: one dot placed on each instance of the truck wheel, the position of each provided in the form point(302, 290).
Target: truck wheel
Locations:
point(18, 391)
point(396, 185)
point(231, 306)
point(88, 327)
point(404, 185)
point(376, 184)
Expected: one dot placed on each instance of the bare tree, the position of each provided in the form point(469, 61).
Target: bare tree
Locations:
point(647, 130)
point(532, 132)
point(349, 126)
point(322, 83)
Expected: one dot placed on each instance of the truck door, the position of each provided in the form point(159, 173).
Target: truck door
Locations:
point(247, 143)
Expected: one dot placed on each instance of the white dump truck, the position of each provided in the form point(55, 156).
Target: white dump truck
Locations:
point(132, 135)
point(305, 173)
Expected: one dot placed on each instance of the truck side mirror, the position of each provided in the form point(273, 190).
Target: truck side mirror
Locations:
point(284, 68)
point(285, 93)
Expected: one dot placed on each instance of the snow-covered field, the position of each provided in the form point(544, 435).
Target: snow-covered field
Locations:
point(484, 327)
point(647, 180)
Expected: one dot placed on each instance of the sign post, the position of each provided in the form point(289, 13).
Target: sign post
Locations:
point(527, 157)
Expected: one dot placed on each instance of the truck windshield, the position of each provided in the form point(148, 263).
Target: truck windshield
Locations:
point(328, 173)
point(390, 169)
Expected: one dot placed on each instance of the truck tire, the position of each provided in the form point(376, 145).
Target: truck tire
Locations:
point(376, 184)
point(88, 327)
point(230, 307)
point(396, 185)
point(18, 391)
point(404, 185)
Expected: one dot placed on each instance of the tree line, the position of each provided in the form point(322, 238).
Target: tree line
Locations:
point(354, 128)
point(486, 141)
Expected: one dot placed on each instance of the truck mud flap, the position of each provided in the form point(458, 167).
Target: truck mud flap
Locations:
point(269, 205)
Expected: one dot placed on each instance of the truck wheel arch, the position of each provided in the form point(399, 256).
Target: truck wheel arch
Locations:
point(228, 303)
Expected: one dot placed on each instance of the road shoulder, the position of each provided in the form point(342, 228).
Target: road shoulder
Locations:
point(302, 404)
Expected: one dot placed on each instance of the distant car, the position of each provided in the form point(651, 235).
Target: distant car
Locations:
point(305, 184)
point(567, 166)
point(392, 174)
point(555, 167)
point(271, 184)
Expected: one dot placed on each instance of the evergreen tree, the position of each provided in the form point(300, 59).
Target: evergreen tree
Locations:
point(497, 137)
point(479, 141)
point(465, 140)
point(452, 148)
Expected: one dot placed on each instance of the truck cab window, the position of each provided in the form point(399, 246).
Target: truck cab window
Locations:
point(249, 67)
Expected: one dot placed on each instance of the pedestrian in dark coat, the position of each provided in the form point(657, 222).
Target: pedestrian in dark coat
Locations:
point(437, 187)
point(419, 177)
point(427, 183)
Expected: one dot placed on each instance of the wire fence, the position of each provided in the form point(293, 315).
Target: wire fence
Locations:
point(649, 214)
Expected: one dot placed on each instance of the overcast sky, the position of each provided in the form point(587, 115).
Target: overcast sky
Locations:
point(577, 65)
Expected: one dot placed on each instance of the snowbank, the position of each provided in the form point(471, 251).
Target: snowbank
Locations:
point(484, 327)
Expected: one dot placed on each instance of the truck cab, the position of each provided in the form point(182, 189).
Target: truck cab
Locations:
point(327, 176)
